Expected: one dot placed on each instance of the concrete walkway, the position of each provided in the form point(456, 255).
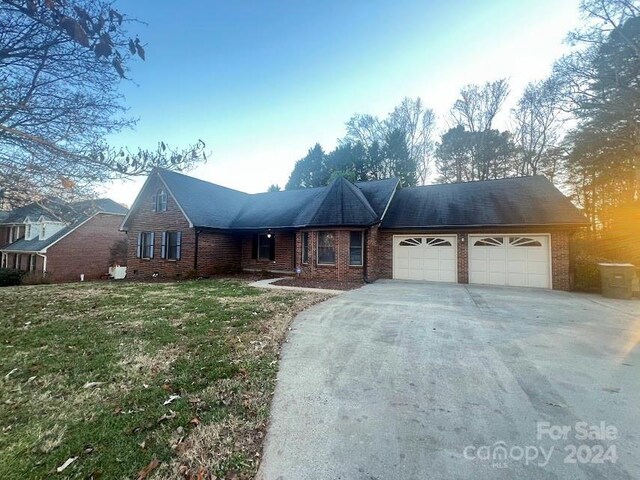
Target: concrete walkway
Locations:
point(268, 283)
point(401, 380)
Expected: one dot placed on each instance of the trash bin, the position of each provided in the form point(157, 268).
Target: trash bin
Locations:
point(617, 280)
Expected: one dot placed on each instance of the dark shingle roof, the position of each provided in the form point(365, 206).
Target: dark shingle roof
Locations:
point(105, 205)
point(342, 204)
point(51, 208)
point(206, 204)
point(278, 209)
point(36, 245)
point(379, 192)
point(58, 210)
point(510, 201)
point(339, 204)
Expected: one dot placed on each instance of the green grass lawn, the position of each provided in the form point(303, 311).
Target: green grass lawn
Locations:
point(119, 375)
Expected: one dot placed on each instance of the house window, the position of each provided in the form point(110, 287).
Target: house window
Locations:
point(489, 242)
point(145, 245)
point(32, 263)
point(160, 200)
point(305, 247)
point(355, 248)
point(266, 247)
point(171, 245)
point(326, 248)
point(16, 261)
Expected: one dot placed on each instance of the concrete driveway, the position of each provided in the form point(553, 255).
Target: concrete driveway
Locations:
point(401, 380)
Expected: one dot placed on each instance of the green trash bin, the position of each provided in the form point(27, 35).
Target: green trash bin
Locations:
point(617, 280)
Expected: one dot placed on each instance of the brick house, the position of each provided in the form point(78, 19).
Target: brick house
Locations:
point(62, 240)
point(503, 232)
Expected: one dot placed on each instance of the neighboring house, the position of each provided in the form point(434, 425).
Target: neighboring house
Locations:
point(63, 240)
point(504, 232)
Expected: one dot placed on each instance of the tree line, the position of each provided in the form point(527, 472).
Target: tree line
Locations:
point(580, 127)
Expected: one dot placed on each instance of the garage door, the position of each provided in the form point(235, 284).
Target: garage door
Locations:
point(517, 260)
point(431, 258)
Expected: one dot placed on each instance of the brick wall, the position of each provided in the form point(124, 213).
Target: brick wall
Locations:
point(341, 270)
point(86, 250)
point(560, 260)
point(372, 257)
point(285, 243)
point(145, 219)
point(559, 252)
point(217, 252)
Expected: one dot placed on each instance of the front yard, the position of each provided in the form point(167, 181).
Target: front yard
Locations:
point(137, 380)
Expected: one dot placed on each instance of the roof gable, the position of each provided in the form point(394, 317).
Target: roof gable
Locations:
point(342, 203)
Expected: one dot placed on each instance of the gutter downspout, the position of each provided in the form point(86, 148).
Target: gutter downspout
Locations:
point(365, 270)
point(44, 264)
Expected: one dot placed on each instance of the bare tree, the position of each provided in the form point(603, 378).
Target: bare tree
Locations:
point(60, 68)
point(537, 121)
point(410, 117)
point(478, 105)
point(418, 123)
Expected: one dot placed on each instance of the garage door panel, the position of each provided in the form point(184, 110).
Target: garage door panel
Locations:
point(517, 260)
point(425, 257)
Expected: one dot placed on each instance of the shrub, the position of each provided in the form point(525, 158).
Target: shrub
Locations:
point(36, 278)
point(10, 277)
point(587, 273)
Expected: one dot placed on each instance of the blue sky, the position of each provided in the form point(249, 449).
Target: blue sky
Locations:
point(261, 81)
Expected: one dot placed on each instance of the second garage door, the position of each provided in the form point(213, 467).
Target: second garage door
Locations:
point(517, 260)
point(431, 258)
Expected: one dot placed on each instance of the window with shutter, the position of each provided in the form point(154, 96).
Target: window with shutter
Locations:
point(171, 247)
point(145, 246)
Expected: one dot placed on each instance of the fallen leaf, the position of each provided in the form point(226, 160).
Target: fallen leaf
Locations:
point(172, 398)
point(66, 464)
point(144, 473)
point(167, 416)
point(194, 421)
point(92, 384)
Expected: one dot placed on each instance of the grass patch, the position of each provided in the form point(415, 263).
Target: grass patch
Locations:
point(86, 370)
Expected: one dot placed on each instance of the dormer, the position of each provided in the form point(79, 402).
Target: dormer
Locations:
point(47, 227)
point(31, 229)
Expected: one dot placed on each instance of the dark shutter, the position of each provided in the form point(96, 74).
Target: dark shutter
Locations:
point(163, 248)
point(179, 245)
point(272, 248)
point(152, 247)
point(139, 245)
point(254, 247)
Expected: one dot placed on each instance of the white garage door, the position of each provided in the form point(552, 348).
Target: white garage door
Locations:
point(517, 260)
point(418, 257)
